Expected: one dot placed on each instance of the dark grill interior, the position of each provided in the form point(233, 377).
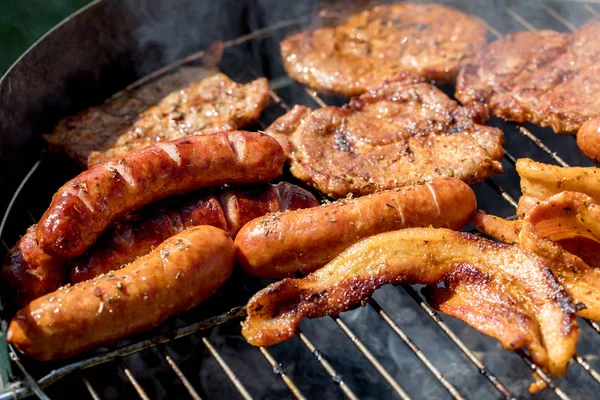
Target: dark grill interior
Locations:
point(395, 346)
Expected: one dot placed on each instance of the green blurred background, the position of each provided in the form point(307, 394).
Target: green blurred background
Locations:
point(22, 22)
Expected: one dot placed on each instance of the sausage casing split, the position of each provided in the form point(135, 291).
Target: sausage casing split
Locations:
point(278, 245)
point(229, 209)
point(177, 275)
point(86, 205)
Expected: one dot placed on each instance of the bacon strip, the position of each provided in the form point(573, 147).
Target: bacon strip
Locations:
point(423, 256)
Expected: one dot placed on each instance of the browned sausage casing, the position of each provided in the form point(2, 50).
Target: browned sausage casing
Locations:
point(588, 139)
point(177, 275)
point(28, 272)
point(278, 245)
point(86, 205)
point(230, 210)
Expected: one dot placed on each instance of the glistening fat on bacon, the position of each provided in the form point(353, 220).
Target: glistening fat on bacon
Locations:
point(86, 205)
point(422, 256)
point(279, 245)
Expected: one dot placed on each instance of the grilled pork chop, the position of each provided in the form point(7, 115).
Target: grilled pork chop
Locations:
point(189, 102)
point(545, 77)
point(403, 131)
point(429, 39)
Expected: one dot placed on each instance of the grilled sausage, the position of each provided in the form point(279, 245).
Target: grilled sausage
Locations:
point(278, 245)
point(28, 272)
point(588, 139)
point(86, 205)
point(177, 275)
point(230, 210)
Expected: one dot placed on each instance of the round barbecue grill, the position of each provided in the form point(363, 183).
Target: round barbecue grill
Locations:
point(396, 346)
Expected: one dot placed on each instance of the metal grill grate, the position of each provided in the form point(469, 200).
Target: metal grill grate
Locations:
point(283, 88)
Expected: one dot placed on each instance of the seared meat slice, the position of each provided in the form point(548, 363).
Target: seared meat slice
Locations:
point(401, 132)
point(543, 77)
point(190, 102)
point(429, 39)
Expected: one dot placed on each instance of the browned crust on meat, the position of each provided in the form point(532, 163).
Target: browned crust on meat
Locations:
point(543, 77)
point(400, 132)
point(428, 39)
point(189, 102)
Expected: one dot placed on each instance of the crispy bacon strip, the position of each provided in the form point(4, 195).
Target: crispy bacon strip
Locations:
point(541, 181)
point(564, 231)
point(424, 256)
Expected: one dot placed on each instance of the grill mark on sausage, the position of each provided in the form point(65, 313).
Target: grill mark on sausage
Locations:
point(125, 172)
point(82, 194)
point(237, 146)
point(434, 197)
point(171, 151)
point(399, 210)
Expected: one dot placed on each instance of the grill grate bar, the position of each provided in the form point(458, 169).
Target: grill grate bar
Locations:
point(498, 189)
point(315, 97)
point(512, 159)
point(435, 317)
point(542, 146)
point(413, 347)
point(538, 371)
point(138, 388)
point(228, 371)
point(519, 19)
point(177, 371)
point(560, 18)
point(32, 383)
point(490, 28)
point(90, 388)
point(380, 368)
point(335, 377)
point(278, 370)
point(591, 10)
point(90, 362)
point(594, 325)
point(587, 367)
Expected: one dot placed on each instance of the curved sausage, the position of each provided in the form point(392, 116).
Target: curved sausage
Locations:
point(229, 210)
point(177, 275)
point(86, 205)
point(28, 272)
point(279, 245)
point(588, 139)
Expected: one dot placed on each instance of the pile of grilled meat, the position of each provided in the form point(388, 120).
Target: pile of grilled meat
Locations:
point(176, 195)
